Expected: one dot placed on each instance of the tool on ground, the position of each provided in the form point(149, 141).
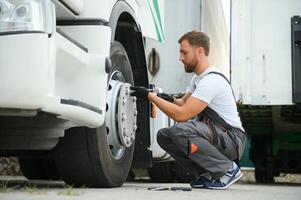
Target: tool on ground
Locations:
point(170, 188)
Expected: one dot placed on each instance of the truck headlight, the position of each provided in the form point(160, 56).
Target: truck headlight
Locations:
point(27, 15)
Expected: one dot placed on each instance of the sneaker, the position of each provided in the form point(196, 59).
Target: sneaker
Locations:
point(226, 181)
point(199, 183)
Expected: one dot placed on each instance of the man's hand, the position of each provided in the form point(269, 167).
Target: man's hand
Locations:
point(166, 97)
point(139, 92)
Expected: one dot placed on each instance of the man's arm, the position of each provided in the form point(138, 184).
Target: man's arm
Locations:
point(181, 101)
point(191, 107)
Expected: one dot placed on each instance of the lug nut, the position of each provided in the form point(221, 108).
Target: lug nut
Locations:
point(127, 91)
point(134, 127)
point(123, 118)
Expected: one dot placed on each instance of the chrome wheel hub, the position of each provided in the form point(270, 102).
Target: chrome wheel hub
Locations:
point(121, 117)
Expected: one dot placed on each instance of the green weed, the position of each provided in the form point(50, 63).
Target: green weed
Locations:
point(69, 191)
point(4, 188)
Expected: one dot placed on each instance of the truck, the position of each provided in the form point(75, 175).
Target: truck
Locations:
point(66, 71)
point(265, 75)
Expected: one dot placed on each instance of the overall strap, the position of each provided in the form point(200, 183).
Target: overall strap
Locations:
point(222, 75)
point(212, 114)
point(213, 118)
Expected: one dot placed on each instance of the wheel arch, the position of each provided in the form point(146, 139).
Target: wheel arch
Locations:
point(126, 30)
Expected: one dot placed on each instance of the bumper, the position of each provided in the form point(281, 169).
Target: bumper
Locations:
point(53, 75)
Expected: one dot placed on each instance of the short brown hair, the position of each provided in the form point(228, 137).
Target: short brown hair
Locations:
point(197, 38)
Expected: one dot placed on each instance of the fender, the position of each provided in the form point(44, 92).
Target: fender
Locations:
point(147, 13)
point(119, 8)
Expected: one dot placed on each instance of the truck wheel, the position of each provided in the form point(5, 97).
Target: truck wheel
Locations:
point(260, 154)
point(39, 168)
point(102, 157)
point(182, 175)
point(263, 176)
point(162, 172)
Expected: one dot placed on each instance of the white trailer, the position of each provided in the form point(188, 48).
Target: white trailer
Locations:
point(265, 75)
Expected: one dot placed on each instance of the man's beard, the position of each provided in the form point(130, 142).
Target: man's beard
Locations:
point(189, 68)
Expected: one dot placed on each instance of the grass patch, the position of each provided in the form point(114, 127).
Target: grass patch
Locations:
point(32, 189)
point(69, 191)
point(4, 188)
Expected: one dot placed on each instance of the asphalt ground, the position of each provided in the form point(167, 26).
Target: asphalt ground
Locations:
point(18, 188)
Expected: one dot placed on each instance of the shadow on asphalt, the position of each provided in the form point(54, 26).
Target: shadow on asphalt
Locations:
point(16, 184)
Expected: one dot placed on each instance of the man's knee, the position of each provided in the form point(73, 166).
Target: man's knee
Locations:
point(163, 136)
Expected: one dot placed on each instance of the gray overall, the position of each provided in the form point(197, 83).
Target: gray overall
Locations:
point(204, 144)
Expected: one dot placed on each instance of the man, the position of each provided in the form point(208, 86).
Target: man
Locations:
point(208, 136)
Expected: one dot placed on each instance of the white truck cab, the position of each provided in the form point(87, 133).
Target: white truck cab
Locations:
point(66, 68)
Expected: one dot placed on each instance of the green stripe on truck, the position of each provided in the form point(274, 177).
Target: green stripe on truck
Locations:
point(158, 31)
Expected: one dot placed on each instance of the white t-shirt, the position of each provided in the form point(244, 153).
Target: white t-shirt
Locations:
point(217, 93)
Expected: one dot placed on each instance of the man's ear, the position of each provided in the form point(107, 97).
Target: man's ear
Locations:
point(200, 51)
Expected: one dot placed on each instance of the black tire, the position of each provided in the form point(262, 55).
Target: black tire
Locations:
point(39, 168)
point(162, 172)
point(83, 155)
point(261, 155)
point(263, 176)
point(182, 175)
